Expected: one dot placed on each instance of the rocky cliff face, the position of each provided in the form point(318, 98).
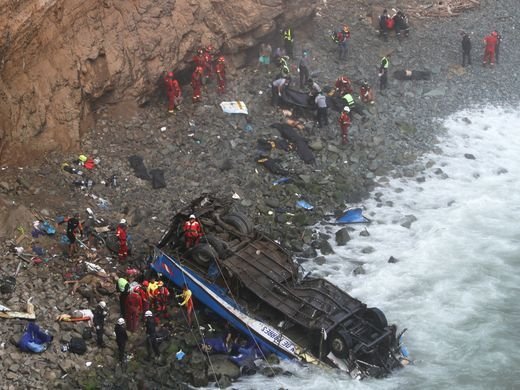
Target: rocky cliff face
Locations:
point(61, 60)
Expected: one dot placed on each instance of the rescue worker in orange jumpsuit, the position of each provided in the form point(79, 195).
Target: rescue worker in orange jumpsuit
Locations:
point(192, 232)
point(122, 236)
point(366, 93)
point(489, 52)
point(208, 64)
point(343, 85)
point(344, 123)
point(160, 303)
point(196, 84)
point(133, 310)
point(173, 90)
point(199, 59)
point(220, 69)
point(141, 290)
point(187, 302)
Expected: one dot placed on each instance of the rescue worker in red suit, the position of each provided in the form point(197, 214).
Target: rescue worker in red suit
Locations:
point(344, 123)
point(489, 51)
point(196, 84)
point(220, 69)
point(200, 59)
point(173, 90)
point(187, 302)
point(122, 237)
point(161, 300)
point(192, 232)
point(366, 93)
point(343, 86)
point(133, 310)
point(141, 290)
point(208, 62)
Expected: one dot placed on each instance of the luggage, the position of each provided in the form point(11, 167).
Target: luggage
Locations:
point(77, 345)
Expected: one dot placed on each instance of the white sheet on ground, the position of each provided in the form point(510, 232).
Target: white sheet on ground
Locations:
point(235, 107)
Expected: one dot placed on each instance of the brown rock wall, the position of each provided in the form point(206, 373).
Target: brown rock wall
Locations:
point(61, 59)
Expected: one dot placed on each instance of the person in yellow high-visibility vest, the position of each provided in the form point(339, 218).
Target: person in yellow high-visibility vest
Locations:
point(288, 41)
point(187, 302)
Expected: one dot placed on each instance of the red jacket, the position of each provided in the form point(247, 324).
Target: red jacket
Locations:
point(192, 229)
point(491, 42)
point(172, 86)
point(344, 119)
point(121, 234)
point(221, 70)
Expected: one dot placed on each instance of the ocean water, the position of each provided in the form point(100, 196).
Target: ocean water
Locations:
point(456, 285)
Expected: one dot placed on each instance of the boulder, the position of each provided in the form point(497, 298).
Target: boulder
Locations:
point(342, 236)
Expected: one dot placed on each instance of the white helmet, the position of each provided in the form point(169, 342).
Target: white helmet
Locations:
point(102, 304)
point(346, 108)
point(123, 221)
point(192, 216)
point(121, 321)
point(147, 313)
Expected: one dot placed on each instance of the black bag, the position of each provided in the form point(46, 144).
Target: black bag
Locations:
point(77, 345)
point(87, 333)
point(157, 178)
point(7, 284)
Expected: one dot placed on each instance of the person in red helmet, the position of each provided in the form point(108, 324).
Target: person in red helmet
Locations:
point(343, 85)
point(220, 69)
point(489, 52)
point(192, 231)
point(196, 84)
point(173, 90)
point(344, 124)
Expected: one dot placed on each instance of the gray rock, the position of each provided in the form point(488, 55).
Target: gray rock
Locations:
point(342, 236)
point(325, 247)
point(221, 366)
point(437, 92)
point(367, 250)
point(469, 156)
point(364, 233)
point(320, 260)
point(408, 220)
point(359, 270)
point(392, 260)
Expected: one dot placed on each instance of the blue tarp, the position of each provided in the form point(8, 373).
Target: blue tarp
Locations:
point(34, 339)
point(352, 216)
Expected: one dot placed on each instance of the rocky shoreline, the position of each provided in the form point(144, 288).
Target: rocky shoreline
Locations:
point(204, 150)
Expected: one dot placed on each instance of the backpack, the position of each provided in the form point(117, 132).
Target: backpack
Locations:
point(77, 345)
point(390, 22)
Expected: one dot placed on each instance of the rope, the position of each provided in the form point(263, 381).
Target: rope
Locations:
point(248, 327)
point(201, 335)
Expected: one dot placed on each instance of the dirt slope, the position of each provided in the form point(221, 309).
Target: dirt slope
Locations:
point(60, 60)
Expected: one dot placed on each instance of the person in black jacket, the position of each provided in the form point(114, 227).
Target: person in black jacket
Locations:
point(100, 313)
point(151, 336)
point(497, 47)
point(121, 338)
point(466, 49)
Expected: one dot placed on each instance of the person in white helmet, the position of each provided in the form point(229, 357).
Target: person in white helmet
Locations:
point(192, 231)
point(344, 123)
point(121, 338)
point(151, 335)
point(121, 233)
